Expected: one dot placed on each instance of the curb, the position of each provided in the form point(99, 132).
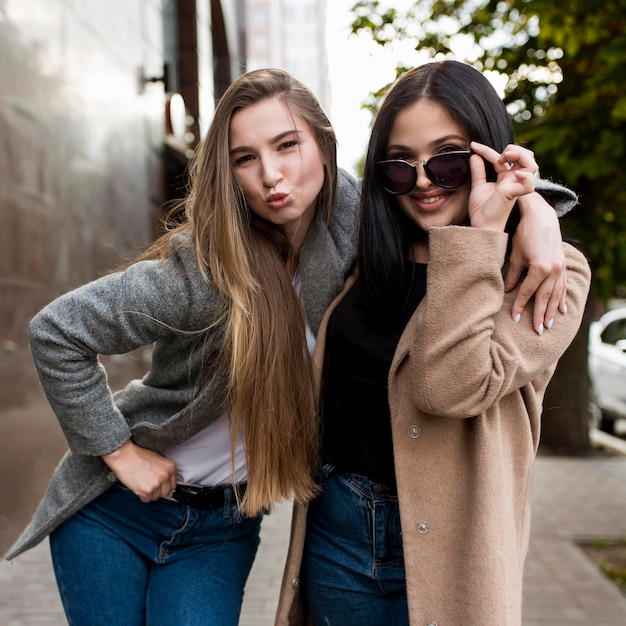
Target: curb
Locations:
point(600, 438)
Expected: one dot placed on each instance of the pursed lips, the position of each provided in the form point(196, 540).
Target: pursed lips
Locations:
point(278, 200)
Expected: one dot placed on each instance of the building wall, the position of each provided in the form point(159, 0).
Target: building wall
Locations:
point(84, 163)
point(80, 185)
point(290, 34)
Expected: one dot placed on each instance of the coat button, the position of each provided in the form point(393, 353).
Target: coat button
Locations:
point(415, 432)
point(423, 528)
point(431, 623)
point(295, 583)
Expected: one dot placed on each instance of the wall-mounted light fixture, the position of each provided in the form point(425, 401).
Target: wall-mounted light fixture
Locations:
point(143, 79)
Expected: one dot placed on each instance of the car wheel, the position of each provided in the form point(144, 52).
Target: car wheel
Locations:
point(607, 423)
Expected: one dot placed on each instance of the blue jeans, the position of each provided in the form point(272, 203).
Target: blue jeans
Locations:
point(120, 561)
point(353, 565)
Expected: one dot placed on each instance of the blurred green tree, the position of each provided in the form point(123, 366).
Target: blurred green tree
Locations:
point(563, 70)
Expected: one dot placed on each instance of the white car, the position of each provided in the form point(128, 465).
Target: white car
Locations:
point(607, 366)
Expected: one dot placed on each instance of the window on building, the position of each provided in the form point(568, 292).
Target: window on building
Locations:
point(258, 15)
point(299, 12)
point(259, 44)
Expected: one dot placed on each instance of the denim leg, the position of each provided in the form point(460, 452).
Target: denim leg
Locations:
point(121, 561)
point(353, 568)
point(203, 570)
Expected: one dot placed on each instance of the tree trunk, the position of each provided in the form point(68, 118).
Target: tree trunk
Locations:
point(566, 414)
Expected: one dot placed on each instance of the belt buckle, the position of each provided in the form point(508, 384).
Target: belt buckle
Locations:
point(186, 489)
point(191, 488)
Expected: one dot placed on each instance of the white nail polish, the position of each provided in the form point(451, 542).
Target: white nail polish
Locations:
point(550, 323)
point(540, 329)
point(517, 318)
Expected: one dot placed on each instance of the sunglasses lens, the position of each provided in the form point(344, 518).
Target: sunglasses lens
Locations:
point(449, 170)
point(397, 177)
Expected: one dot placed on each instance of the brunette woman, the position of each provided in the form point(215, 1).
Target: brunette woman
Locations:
point(431, 393)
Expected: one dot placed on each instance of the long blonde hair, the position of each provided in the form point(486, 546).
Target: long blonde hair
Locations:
point(271, 392)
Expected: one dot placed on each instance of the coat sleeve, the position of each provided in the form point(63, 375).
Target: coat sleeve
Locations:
point(561, 198)
point(150, 301)
point(464, 350)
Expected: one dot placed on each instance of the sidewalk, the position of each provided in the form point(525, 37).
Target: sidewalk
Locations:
point(574, 498)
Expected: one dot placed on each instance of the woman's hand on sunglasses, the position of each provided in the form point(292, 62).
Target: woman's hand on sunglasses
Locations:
point(491, 202)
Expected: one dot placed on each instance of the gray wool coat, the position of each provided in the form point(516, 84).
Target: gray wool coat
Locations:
point(163, 304)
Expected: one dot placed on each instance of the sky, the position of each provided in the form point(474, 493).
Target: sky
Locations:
point(357, 66)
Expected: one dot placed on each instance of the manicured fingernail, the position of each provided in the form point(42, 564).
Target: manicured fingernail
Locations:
point(540, 329)
point(517, 318)
point(564, 309)
point(550, 323)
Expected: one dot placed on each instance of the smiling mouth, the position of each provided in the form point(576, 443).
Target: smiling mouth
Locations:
point(431, 200)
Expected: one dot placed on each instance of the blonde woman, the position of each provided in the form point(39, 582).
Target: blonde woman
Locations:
point(154, 513)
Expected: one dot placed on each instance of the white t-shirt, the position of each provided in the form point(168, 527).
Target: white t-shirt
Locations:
point(204, 459)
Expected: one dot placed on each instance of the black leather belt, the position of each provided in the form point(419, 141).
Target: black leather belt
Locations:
point(205, 498)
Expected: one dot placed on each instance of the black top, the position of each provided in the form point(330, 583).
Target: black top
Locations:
point(355, 409)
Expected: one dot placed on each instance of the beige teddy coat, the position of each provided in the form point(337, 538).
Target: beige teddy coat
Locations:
point(465, 390)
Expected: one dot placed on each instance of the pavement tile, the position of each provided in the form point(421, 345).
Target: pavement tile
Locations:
point(574, 499)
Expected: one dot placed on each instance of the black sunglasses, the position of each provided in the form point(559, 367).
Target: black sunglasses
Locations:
point(448, 170)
